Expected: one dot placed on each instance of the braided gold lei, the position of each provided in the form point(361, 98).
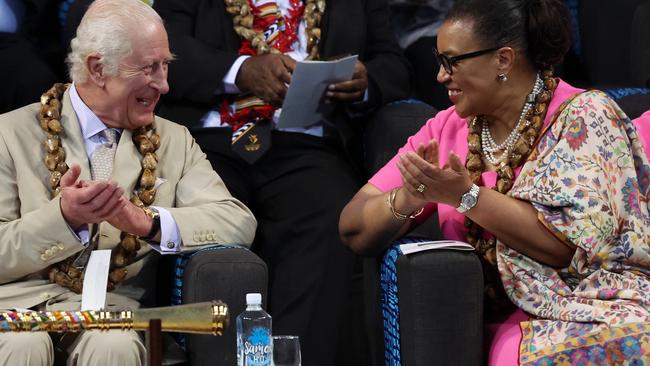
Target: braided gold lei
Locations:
point(147, 141)
point(529, 131)
point(243, 20)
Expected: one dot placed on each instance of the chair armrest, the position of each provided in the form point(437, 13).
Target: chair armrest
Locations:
point(438, 306)
point(389, 128)
point(218, 273)
point(441, 304)
point(432, 302)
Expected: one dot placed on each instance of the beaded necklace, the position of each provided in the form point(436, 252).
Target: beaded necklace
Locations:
point(259, 27)
point(528, 133)
point(65, 273)
point(255, 43)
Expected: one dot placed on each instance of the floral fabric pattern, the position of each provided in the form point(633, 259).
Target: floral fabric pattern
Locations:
point(589, 180)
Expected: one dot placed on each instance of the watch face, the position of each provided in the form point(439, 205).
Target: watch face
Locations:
point(469, 200)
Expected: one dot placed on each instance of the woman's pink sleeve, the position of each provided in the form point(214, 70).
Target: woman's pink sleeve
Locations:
point(389, 176)
point(642, 125)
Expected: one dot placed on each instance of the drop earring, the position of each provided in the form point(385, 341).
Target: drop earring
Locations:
point(502, 77)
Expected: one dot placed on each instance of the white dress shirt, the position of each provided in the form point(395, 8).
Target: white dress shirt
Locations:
point(91, 128)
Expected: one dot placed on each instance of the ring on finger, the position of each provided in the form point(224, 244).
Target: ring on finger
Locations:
point(421, 188)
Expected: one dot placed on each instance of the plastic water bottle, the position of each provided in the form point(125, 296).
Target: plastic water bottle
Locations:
point(254, 341)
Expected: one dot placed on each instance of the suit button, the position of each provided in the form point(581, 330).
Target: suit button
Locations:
point(44, 257)
point(49, 252)
point(60, 245)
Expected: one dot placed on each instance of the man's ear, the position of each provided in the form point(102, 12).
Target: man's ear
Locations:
point(95, 70)
point(505, 59)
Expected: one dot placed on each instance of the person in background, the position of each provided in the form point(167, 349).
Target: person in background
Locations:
point(548, 182)
point(416, 23)
point(91, 167)
point(31, 52)
point(235, 62)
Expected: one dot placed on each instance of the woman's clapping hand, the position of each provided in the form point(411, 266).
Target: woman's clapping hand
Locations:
point(425, 180)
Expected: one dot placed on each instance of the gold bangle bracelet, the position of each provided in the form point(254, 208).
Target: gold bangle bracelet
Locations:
point(390, 201)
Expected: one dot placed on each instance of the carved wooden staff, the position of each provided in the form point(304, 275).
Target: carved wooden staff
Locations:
point(205, 317)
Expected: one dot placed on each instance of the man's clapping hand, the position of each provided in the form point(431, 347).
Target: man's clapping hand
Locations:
point(88, 202)
point(131, 219)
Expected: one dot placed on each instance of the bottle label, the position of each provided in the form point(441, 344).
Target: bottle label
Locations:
point(258, 350)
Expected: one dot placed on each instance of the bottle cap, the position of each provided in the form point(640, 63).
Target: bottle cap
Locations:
point(254, 299)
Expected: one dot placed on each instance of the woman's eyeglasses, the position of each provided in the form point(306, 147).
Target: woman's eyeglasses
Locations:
point(448, 62)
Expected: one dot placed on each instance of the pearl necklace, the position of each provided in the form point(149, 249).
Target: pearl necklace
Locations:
point(490, 148)
point(496, 299)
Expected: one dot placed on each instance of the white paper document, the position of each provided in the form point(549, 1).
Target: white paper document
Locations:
point(438, 244)
point(304, 104)
point(93, 295)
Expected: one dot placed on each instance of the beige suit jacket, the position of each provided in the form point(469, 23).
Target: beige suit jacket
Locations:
point(33, 233)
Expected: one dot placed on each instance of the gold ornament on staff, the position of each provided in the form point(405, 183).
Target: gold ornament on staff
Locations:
point(204, 317)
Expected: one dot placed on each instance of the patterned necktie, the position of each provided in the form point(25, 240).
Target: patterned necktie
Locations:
point(101, 167)
point(101, 162)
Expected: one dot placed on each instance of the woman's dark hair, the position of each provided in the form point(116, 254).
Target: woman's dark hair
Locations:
point(538, 27)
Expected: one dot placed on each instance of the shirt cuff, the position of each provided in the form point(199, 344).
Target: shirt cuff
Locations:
point(355, 109)
point(229, 86)
point(365, 97)
point(170, 235)
point(83, 234)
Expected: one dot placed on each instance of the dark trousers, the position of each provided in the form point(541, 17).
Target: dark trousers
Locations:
point(296, 191)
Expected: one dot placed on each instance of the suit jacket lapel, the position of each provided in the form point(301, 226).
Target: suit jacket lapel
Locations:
point(72, 139)
point(325, 25)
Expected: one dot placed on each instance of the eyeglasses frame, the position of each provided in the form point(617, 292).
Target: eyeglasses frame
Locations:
point(452, 60)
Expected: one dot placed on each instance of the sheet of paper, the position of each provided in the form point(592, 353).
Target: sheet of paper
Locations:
point(93, 295)
point(304, 103)
point(438, 244)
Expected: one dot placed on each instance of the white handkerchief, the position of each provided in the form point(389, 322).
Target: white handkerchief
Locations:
point(93, 296)
point(159, 182)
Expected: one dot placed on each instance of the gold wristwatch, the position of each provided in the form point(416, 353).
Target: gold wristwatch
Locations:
point(155, 225)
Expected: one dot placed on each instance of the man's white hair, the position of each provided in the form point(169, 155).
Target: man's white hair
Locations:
point(107, 30)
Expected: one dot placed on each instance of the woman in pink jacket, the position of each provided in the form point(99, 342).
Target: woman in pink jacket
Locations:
point(548, 182)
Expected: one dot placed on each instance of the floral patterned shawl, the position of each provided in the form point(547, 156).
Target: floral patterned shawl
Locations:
point(589, 180)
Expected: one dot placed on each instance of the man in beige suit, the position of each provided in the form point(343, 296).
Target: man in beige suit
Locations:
point(118, 64)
